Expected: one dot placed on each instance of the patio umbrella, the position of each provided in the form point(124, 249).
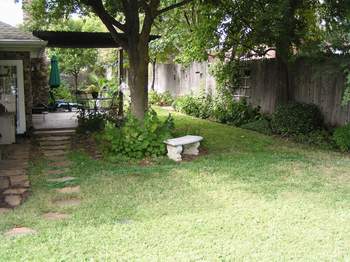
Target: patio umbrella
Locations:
point(54, 80)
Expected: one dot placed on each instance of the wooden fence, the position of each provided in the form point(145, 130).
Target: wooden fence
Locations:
point(320, 82)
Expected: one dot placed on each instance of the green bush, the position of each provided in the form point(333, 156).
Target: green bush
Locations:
point(62, 92)
point(90, 122)
point(237, 113)
point(341, 137)
point(319, 138)
point(262, 126)
point(160, 99)
point(296, 119)
point(197, 106)
point(135, 139)
point(221, 108)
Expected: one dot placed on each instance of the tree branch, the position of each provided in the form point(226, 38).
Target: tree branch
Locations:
point(99, 9)
point(108, 21)
point(170, 7)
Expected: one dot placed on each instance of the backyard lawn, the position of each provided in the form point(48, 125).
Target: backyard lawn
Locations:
point(248, 197)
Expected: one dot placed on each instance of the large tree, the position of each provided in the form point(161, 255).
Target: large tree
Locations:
point(129, 22)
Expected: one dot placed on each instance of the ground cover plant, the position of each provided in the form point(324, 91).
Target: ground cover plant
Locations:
point(251, 197)
point(160, 99)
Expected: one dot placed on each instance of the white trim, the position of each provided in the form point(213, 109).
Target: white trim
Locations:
point(21, 114)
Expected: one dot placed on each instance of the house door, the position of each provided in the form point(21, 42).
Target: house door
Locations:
point(12, 91)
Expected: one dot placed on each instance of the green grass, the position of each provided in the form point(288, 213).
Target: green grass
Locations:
point(252, 198)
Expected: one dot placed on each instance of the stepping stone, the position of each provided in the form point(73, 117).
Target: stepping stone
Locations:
point(56, 172)
point(61, 164)
point(19, 231)
point(19, 181)
point(68, 203)
point(61, 179)
point(4, 210)
point(55, 216)
point(14, 172)
point(69, 190)
point(15, 191)
point(13, 200)
point(55, 153)
point(13, 164)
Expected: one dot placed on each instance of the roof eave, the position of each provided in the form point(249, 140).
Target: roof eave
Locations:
point(22, 43)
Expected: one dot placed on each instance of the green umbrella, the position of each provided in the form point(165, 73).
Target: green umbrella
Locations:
point(54, 80)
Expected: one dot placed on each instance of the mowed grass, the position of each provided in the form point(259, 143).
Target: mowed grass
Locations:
point(251, 197)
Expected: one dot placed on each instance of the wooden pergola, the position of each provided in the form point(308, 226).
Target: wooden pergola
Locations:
point(59, 39)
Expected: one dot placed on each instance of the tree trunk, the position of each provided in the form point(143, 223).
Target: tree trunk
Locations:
point(138, 78)
point(154, 62)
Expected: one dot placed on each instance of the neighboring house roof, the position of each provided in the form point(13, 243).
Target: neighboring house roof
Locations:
point(12, 36)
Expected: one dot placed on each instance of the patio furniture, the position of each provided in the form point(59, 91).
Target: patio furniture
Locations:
point(187, 145)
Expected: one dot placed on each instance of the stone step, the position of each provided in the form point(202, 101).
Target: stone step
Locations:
point(55, 143)
point(54, 153)
point(54, 138)
point(54, 132)
point(54, 147)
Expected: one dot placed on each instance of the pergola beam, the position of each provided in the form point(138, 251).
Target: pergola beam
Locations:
point(80, 39)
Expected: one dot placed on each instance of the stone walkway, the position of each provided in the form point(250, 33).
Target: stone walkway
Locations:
point(14, 181)
point(54, 146)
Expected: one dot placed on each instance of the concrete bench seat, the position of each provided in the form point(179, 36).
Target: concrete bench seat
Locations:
point(187, 145)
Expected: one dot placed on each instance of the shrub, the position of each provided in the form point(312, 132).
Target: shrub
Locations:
point(319, 138)
point(341, 137)
point(197, 106)
point(262, 126)
point(160, 99)
point(61, 93)
point(296, 119)
point(90, 122)
point(187, 104)
point(227, 110)
point(135, 139)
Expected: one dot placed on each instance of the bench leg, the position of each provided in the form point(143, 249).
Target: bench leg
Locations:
point(191, 149)
point(174, 152)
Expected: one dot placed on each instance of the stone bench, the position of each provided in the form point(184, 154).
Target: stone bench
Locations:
point(187, 145)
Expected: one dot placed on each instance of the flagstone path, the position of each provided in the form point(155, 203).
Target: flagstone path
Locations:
point(14, 181)
point(55, 147)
